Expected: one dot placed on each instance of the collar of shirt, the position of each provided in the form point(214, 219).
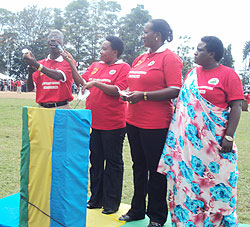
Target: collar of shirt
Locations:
point(162, 48)
point(59, 59)
point(116, 63)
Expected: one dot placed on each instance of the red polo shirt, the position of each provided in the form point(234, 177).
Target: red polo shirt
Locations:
point(220, 85)
point(150, 72)
point(50, 90)
point(108, 112)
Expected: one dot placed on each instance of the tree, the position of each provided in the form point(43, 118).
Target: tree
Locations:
point(246, 50)
point(183, 50)
point(6, 21)
point(103, 21)
point(87, 26)
point(30, 28)
point(131, 28)
point(76, 27)
point(227, 58)
point(58, 19)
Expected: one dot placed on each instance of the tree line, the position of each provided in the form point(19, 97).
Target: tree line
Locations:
point(85, 24)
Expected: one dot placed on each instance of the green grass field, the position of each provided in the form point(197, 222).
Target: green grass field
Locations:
point(10, 146)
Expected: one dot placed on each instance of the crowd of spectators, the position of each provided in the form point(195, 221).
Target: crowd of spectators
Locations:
point(13, 85)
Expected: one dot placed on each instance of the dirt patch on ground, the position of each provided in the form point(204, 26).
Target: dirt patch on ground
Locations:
point(23, 95)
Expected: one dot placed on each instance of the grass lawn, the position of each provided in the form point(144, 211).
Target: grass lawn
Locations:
point(10, 145)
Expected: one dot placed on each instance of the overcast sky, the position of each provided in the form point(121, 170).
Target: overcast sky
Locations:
point(226, 19)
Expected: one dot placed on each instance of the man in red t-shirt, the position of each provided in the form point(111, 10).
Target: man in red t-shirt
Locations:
point(12, 84)
point(18, 86)
point(52, 76)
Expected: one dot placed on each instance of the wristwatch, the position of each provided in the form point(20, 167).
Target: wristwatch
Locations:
point(229, 138)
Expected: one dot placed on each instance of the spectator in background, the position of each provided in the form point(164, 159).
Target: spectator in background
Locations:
point(13, 85)
point(5, 85)
point(200, 156)
point(18, 86)
point(1, 85)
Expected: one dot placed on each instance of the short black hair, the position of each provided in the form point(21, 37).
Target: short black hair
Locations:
point(58, 32)
point(162, 26)
point(214, 44)
point(116, 44)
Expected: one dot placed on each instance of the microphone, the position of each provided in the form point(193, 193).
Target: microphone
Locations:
point(58, 46)
point(25, 51)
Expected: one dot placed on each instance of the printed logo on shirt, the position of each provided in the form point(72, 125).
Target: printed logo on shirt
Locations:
point(151, 63)
point(50, 83)
point(112, 72)
point(101, 80)
point(94, 71)
point(138, 63)
point(134, 76)
point(213, 81)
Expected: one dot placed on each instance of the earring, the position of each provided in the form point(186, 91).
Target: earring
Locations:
point(156, 38)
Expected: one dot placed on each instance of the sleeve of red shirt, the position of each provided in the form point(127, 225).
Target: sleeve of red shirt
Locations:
point(121, 80)
point(233, 86)
point(172, 67)
point(67, 70)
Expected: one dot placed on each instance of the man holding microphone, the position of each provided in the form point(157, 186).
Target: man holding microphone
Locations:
point(52, 76)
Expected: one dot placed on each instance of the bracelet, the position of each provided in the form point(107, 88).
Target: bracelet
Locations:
point(40, 67)
point(145, 96)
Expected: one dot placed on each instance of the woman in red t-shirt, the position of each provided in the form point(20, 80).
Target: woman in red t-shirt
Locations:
point(200, 157)
point(154, 80)
point(105, 79)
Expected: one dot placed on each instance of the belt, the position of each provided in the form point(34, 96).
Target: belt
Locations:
point(52, 105)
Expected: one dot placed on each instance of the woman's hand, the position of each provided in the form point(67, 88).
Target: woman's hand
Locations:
point(67, 56)
point(88, 85)
point(123, 95)
point(135, 96)
point(233, 120)
point(226, 146)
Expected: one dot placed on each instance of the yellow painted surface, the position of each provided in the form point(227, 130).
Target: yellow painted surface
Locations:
point(40, 123)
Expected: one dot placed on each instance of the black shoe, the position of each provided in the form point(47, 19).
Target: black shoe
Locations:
point(90, 206)
point(108, 211)
point(154, 224)
point(128, 218)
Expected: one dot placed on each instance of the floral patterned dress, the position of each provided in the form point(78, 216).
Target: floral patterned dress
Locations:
point(202, 180)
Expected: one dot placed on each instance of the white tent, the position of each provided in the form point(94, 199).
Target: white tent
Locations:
point(5, 77)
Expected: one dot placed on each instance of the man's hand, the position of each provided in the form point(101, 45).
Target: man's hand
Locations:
point(30, 59)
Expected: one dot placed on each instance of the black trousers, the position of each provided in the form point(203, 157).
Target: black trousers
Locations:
point(106, 177)
point(146, 147)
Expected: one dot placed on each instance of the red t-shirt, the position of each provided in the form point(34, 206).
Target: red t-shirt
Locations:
point(12, 84)
point(108, 112)
point(18, 84)
point(247, 97)
point(150, 72)
point(50, 90)
point(220, 85)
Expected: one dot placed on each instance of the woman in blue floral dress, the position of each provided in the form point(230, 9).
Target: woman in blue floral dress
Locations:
point(200, 156)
